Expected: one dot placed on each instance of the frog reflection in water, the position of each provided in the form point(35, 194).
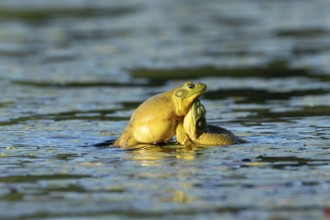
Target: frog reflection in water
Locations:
point(176, 112)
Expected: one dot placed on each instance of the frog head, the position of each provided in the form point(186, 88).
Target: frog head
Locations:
point(185, 95)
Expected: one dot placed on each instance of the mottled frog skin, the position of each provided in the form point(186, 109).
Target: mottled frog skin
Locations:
point(157, 119)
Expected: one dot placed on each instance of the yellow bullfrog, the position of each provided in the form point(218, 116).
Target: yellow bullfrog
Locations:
point(201, 134)
point(157, 119)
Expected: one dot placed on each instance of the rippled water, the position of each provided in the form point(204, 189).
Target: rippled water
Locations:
point(72, 72)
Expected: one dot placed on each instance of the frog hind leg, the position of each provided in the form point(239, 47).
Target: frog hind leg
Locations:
point(218, 136)
point(126, 139)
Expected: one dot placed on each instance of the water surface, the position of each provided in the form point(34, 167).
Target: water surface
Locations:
point(72, 72)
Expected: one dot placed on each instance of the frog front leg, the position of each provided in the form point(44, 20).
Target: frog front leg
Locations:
point(182, 137)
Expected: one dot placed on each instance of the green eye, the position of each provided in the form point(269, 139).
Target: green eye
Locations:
point(191, 86)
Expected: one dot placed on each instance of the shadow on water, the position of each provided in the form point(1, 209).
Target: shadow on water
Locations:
point(104, 144)
point(84, 84)
point(35, 178)
point(272, 70)
point(258, 95)
point(44, 13)
point(283, 162)
point(302, 32)
point(269, 115)
point(71, 115)
point(304, 112)
point(14, 194)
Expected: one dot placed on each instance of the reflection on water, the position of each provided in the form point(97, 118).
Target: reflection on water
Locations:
point(150, 155)
point(72, 72)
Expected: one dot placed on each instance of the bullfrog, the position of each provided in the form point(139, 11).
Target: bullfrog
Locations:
point(157, 119)
point(199, 133)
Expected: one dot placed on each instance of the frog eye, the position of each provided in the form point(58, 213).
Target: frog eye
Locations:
point(190, 85)
point(200, 123)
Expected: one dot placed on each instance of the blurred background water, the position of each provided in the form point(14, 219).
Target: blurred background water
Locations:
point(73, 71)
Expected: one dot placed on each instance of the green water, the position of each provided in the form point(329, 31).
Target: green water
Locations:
point(72, 72)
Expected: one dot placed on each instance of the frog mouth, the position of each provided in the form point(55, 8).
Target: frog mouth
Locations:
point(198, 94)
point(203, 89)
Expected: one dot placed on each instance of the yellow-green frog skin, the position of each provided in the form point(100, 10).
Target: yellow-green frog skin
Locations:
point(201, 134)
point(156, 119)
